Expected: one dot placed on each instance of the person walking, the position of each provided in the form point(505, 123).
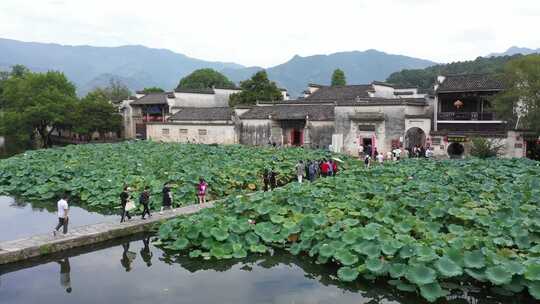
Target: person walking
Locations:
point(334, 167)
point(380, 158)
point(124, 198)
point(144, 200)
point(312, 171)
point(361, 151)
point(63, 209)
point(367, 160)
point(202, 188)
point(330, 168)
point(167, 198)
point(266, 179)
point(324, 168)
point(300, 171)
point(273, 179)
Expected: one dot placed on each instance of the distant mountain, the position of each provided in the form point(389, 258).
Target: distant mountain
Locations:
point(138, 66)
point(89, 66)
point(359, 67)
point(514, 50)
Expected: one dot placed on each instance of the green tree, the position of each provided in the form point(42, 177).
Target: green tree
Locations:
point(37, 104)
point(257, 88)
point(425, 78)
point(116, 91)
point(205, 78)
point(338, 78)
point(153, 90)
point(95, 113)
point(519, 104)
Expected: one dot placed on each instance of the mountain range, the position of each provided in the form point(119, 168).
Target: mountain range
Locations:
point(138, 66)
point(514, 50)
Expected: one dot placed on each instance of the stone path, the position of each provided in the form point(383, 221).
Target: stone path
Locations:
point(22, 249)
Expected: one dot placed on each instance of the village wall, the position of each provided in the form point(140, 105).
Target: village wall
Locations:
point(198, 100)
point(320, 134)
point(255, 132)
point(195, 132)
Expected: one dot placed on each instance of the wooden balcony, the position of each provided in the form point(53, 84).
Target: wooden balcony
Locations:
point(474, 116)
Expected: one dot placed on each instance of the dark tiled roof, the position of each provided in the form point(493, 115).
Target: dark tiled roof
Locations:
point(151, 99)
point(288, 112)
point(404, 93)
point(195, 91)
point(392, 85)
point(342, 92)
point(382, 102)
point(470, 82)
point(223, 113)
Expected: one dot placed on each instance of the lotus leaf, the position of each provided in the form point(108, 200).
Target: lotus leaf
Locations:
point(533, 272)
point(498, 275)
point(534, 289)
point(420, 275)
point(347, 274)
point(474, 259)
point(432, 292)
point(326, 250)
point(397, 270)
point(375, 265)
point(345, 257)
point(447, 267)
point(349, 237)
point(219, 234)
point(180, 244)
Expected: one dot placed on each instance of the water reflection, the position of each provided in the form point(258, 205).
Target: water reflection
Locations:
point(105, 273)
point(127, 257)
point(65, 274)
point(146, 253)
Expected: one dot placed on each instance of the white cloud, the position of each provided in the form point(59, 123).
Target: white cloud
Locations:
point(271, 32)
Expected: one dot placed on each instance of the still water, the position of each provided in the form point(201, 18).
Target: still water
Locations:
point(135, 271)
point(20, 219)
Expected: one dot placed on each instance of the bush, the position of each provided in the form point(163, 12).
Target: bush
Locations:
point(486, 148)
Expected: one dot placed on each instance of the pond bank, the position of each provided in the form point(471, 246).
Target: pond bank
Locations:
point(18, 250)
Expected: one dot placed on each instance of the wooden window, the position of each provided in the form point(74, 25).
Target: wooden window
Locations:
point(203, 131)
point(183, 132)
point(165, 132)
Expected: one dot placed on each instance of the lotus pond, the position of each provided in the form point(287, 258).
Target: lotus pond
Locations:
point(428, 227)
point(95, 174)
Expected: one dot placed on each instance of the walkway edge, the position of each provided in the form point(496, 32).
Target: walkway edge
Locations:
point(22, 249)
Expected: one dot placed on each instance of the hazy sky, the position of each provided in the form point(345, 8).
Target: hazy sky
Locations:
point(266, 33)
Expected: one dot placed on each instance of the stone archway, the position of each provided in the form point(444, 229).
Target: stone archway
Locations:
point(414, 137)
point(455, 150)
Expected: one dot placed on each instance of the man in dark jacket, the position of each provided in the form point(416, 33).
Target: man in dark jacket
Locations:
point(144, 199)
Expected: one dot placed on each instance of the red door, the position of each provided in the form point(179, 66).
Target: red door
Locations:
point(297, 137)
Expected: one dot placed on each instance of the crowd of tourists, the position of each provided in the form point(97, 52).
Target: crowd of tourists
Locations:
point(370, 155)
point(127, 203)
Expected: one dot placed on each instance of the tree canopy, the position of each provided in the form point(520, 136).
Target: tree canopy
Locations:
point(95, 113)
point(116, 91)
point(519, 104)
point(153, 90)
point(257, 88)
point(205, 78)
point(425, 78)
point(37, 103)
point(338, 78)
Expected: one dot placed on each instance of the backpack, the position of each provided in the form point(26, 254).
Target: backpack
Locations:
point(143, 198)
